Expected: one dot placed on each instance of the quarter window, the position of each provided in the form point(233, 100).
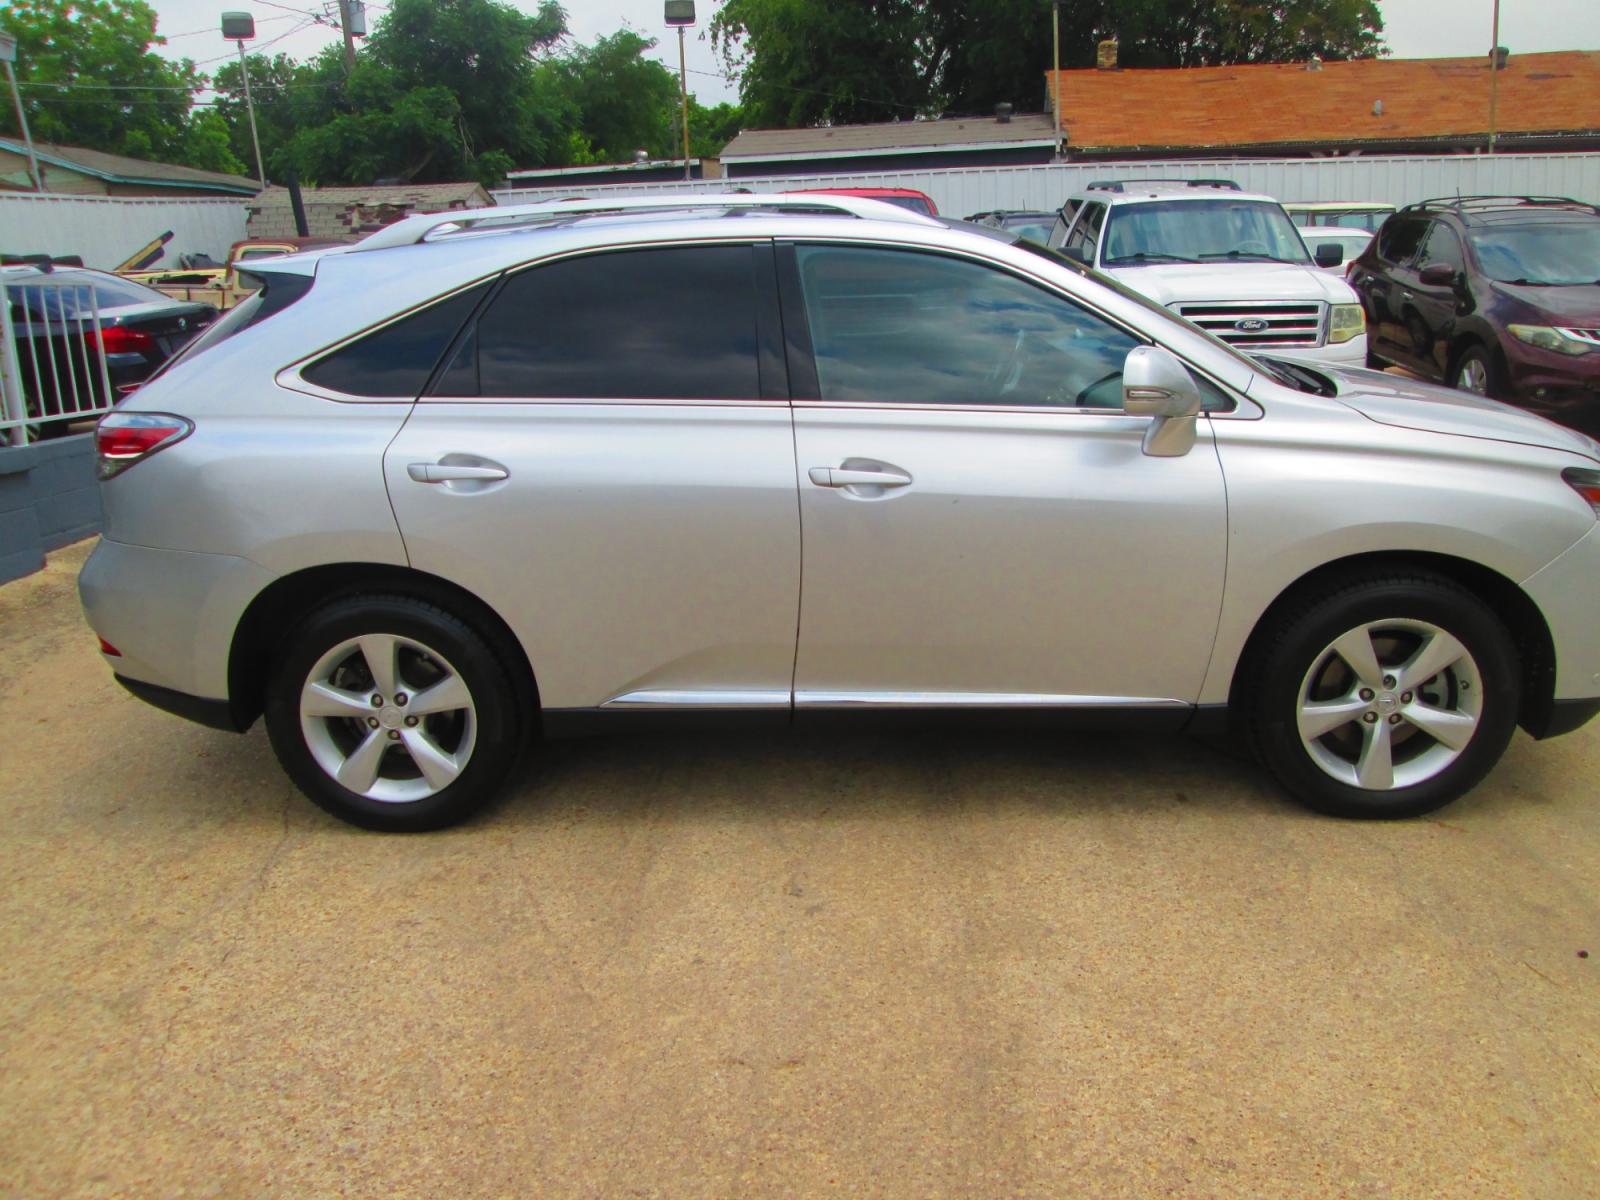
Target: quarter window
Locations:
point(676, 323)
point(396, 360)
point(903, 327)
point(1442, 246)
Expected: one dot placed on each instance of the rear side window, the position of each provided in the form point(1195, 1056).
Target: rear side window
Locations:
point(396, 360)
point(676, 323)
point(1399, 238)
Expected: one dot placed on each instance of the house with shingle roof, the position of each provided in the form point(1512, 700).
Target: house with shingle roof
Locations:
point(75, 170)
point(344, 212)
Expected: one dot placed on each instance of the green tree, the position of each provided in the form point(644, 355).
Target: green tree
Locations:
point(89, 77)
point(871, 60)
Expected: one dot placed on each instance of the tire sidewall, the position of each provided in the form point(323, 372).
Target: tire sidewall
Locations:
point(1305, 639)
point(497, 740)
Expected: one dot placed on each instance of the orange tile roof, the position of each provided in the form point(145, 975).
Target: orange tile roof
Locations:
point(1261, 104)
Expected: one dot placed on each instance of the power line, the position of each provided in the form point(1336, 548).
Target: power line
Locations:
point(213, 29)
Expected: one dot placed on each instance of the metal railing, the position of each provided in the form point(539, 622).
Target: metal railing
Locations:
point(52, 365)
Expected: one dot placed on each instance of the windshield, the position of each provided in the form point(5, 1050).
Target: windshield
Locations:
point(61, 296)
point(1033, 225)
point(915, 203)
point(1201, 231)
point(1550, 254)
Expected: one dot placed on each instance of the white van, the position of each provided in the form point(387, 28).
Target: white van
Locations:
point(1231, 262)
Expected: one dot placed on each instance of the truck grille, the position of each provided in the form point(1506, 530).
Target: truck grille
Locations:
point(1258, 324)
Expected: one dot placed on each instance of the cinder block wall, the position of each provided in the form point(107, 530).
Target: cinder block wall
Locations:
point(48, 498)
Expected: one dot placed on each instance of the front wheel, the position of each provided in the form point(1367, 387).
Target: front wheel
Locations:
point(1390, 697)
point(392, 714)
point(1475, 372)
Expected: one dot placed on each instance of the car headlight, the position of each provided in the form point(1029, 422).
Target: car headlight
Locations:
point(1347, 321)
point(1546, 337)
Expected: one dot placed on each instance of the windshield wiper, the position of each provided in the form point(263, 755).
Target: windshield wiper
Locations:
point(1530, 283)
point(1148, 256)
point(1240, 254)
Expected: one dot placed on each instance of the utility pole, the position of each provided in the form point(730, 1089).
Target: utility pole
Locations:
point(347, 27)
point(1494, 74)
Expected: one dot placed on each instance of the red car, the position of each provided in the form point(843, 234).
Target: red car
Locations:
point(917, 202)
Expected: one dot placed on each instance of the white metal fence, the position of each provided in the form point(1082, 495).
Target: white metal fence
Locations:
point(53, 369)
point(1395, 179)
point(106, 231)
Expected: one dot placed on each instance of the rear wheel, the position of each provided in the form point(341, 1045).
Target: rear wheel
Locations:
point(1390, 697)
point(392, 714)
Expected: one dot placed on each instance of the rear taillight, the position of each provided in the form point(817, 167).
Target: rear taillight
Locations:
point(1586, 483)
point(114, 339)
point(123, 439)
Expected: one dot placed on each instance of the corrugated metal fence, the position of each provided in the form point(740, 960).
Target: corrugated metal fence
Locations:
point(106, 230)
point(1397, 179)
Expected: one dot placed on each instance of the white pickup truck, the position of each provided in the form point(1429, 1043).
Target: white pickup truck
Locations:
point(1231, 262)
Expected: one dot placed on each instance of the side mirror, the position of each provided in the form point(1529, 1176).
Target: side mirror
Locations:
point(1438, 275)
point(1156, 384)
point(1330, 254)
point(1077, 255)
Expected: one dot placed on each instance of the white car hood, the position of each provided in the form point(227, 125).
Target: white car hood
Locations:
point(1412, 404)
point(1174, 283)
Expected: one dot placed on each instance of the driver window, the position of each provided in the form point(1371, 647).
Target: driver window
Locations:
point(907, 327)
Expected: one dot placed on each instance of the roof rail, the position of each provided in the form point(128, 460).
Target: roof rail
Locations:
point(1463, 203)
point(1122, 185)
point(426, 226)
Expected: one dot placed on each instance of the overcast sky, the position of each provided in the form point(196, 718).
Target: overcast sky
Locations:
point(1413, 28)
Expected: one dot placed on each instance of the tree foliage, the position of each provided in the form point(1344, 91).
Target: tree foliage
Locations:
point(803, 63)
point(89, 77)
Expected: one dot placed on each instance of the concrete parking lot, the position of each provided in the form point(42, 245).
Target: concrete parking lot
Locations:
point(901, 966)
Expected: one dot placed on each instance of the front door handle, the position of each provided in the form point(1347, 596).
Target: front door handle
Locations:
point(842, 477)
point(450, 472)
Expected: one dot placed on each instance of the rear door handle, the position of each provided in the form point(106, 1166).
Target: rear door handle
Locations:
point(449, 472)
point(839, 477)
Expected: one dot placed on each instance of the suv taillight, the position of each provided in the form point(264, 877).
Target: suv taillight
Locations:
point(123, 439)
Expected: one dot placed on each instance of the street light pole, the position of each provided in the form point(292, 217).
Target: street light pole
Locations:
point(8, 55)
point(1055, 76)
point(240, 27)
point(680, 13)
point(250, 107)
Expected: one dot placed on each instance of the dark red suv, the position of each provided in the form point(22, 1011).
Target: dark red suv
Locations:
point(1498, 295)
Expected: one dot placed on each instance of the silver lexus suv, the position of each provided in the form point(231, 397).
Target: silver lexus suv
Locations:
point(521, 473)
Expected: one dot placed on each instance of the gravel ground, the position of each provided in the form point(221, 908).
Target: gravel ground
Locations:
point(898, 966)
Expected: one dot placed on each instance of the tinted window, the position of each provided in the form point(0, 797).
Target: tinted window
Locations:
point(67, 296)
point(915, 203)
point(1086, 233)
point(397, 359)
point(670, 324)
point(899, 327)
point(1400, 237)
point(1442, 246)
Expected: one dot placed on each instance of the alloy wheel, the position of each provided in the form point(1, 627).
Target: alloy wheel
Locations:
point(1389, 704)
point(388, 718)
point(1473, 376)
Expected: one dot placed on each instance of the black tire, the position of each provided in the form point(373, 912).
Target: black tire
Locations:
point(1480, 355)
point(1302, 633)
point(498, 723)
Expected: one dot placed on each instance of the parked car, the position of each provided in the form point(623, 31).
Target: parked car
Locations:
point(1349, 214)
point(1028, 223)
point(1232, 263)
point(60, 348)
point(222, 285)
point(906, 198)
point(1498, 295)
point(1020, 491)
point(1351, 242)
